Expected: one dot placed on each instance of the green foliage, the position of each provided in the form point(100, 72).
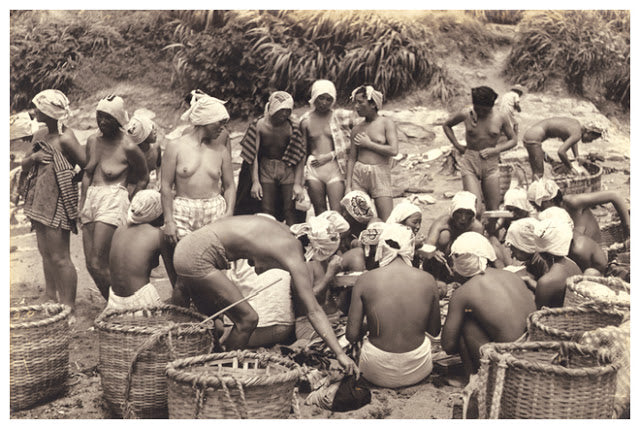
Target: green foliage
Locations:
point(579, 45)
point(506, 17)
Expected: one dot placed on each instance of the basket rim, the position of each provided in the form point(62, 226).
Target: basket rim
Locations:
point(174, 370)
point(103, 323)
point(582, 179)
point(534, 319)
point(501, 352)
point(64, 312)
point(573, 282)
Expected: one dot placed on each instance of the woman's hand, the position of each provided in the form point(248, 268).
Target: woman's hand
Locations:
point(171, 233)
point(256, 190)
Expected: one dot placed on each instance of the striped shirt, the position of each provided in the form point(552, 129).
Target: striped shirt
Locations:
point(293, 152)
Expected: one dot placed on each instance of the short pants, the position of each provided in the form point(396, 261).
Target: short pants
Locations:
point(306, 331)
point(276, 171)
point(191, 214)
point(107, 204)
point(146, 296)
point(200, 253)
point(374, 179)
point(472, 164)
point(327, 173)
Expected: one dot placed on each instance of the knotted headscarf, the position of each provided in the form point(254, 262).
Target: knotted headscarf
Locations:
point(21, 125)
point(395, 240)
point(139, 128)
point(320, 87)
point(463, 200)
point(323, 232)
point(114, 105)
point(554, 236)
point(371, 236)
point(402, 211)
point(541, 190)
point(522, 235)
point(483, 96)
point(556, 213)
point(359, 205)
point(471, 252)
point(205, 109)
point(517, 197)
point(53, 103)
point(145, 207)
point(277, 101)
point(371, 94)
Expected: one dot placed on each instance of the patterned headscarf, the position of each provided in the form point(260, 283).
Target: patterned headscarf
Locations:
point(359, 205)
point(371, 94)
point(371, 236)
point(323, 232)
point(205, 109)
point(145, 206)
point(139, 128)
point(53, 103)
point(114, 105)
point(277, 101)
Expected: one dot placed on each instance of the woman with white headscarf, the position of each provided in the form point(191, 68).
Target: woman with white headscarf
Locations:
point(51, 192)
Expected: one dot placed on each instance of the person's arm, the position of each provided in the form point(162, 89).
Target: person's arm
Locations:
point(228, 183)
point(389, 148)
point(453, 325)
point(166, 252)
point(168, 173)
point(302, 284)
point(356, 314)
point(298, 182)
point(599, 259)
point(511, 142)
point(137, 162)
point(32, 159)
point(447, 127)
point(89, 168)
point(72, 148)
point(579, 202)
point(434, 325)
point(353, 156)
point(570, 142)
point(256, 187)
point(320, 283)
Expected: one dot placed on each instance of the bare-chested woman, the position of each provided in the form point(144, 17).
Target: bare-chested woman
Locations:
point(483, 128)
point(112, 159)
point(373, 142)
point(196, 165)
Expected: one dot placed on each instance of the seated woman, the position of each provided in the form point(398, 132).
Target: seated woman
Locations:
point(545, 193)
point(408, 214)
point(358, 210)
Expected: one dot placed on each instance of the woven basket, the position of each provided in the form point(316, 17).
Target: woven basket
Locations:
point(547, 380)
point(506, 169)
point(567, 184)
point(570, 323)
point(611, 233)
point(578, 293)
point(232, 385)
point(135, 347)
point(39, 353)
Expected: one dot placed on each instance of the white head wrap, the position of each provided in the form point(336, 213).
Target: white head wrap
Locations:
point(371, 94)
point(21, 125)
point(463, 200)
point(554, 236)
point(522, 235)
point(470, 252)
point(53, 103)
point(114, 105)
point(145, 207)
point(371, 236)
point(139, 128)
point(517, 197)
point(320, 87)
point(396, 240)
point(277, 101)
point(542, 190)
point(205, 109)
point(323, 232)
point(359, 205)
point(556, 213)
point(402, 211)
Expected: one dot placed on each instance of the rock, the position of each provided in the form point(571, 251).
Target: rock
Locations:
point(615, 158)
point(448, 194)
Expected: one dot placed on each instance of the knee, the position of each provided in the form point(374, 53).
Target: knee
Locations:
point(61, 260)
point(248, 322)
point(96, 264)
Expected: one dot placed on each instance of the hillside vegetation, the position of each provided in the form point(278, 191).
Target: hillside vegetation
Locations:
point(241, 56)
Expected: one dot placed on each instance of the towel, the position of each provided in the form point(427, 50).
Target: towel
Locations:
point(139, 128)
point(145, 207)
point(53, 103)
point(517, 197)
point(395, 240)
point(114, 105)
point(463, 200)
point(556, 213)
point(359, 205)
point(21, 125)
point(371, 94)
point(205, 109)
point(554, 236)
point(522, 235)
point(277, 101)
point(370, 237)
point(320, 87)
point(323, 232)
point(541, 190)
point(471, 252)
point(402, 211)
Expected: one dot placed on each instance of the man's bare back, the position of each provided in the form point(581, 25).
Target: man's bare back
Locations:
point(557, 127)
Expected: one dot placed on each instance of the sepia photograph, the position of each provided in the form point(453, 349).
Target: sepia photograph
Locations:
point(319, 214)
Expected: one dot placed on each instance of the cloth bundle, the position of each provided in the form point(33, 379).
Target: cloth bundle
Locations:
point(21, 125)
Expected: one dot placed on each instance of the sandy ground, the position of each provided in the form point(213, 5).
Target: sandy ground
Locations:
point(419, 132)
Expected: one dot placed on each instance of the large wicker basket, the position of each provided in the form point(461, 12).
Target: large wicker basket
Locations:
point(135, 347)
point(567, 184)
point(232, 385)
point(39, 353)
point(547, 380)
point(577, 292)
point(570, 323)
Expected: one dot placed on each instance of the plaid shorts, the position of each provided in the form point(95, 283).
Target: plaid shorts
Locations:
point(191, 214)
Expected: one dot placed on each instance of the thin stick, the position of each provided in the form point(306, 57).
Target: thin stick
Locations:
point(239, 301)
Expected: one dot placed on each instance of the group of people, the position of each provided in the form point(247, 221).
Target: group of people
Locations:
point(221, 242)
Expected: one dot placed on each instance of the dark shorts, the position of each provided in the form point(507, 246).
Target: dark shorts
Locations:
point(276, 171)
point(374, 179)
point(472, 164)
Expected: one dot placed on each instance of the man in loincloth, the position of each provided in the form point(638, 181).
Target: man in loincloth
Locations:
point(136, 248)
point(326, 133)
point(373, 142)
point(545, 193)
point(492, 305)
point(143, 132)
point(112, 160)
point(202, 256)
point(570, 131)
point(401, 306)
point(480, 157)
